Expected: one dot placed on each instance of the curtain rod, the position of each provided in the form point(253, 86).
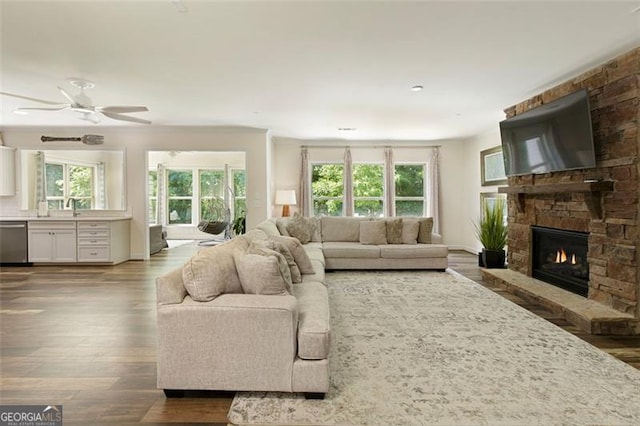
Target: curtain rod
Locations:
point(371, 146)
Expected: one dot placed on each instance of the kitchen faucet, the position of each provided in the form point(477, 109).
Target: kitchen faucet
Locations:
point(72, 201)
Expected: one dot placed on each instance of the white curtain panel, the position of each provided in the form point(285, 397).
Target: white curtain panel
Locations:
point(433, 189)
point(101, 193)
point(41, 179)
point(389, 183)
point(160, 195)
point(305, 183)
point(348, 183)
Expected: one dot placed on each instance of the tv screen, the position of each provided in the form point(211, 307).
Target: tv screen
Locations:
point(552, 137)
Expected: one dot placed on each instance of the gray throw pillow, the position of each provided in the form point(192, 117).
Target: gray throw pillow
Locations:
point(301, 228)
point(260, 274)
point(373, 232)
point(425, 230)
point(299, 253)
point(281, 224)
point(260, 249)
point(394, 231)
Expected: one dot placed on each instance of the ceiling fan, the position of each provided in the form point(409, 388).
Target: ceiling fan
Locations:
point(82, 104)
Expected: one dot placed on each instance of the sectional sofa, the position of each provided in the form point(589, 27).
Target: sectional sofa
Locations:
point(251, 315)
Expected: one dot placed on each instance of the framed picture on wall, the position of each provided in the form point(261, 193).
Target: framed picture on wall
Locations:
point(490, 198)
point(492, 167)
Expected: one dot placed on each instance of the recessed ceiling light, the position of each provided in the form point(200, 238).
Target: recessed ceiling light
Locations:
point(20, 112)
point(417, 88)
point(347, 129)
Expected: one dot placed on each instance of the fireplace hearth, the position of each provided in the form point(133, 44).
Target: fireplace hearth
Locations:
point(559, 257)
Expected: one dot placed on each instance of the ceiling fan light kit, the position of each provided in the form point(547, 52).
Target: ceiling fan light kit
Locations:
point(82, 104)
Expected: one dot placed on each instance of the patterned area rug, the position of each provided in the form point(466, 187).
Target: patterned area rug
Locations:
point(433, 348)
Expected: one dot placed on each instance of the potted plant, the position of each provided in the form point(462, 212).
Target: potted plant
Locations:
point(239, 223)
point(491, 230)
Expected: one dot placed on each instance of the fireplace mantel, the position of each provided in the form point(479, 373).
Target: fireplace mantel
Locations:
point(592, 191)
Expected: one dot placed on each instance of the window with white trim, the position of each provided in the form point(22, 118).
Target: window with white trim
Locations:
point(368, 190)
point(70, 180)
point(327, 189)
point(410, 199)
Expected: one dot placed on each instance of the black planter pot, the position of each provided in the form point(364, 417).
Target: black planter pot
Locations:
point(493, 258)
point(480, 260)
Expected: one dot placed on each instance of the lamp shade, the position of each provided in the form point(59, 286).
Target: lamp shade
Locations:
point(286, 197)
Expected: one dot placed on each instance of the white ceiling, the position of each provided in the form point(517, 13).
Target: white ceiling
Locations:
point(304, 69)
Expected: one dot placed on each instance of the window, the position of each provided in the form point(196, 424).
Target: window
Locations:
point(368, 190)
point(327, 189)
point(66, 180)
point(180, 196)
point(153, 196)
point(212, 195)
point(240, 192)
point(410, 189)
point(198, 194)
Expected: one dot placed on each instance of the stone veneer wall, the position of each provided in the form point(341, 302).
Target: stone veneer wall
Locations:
point(614, 240)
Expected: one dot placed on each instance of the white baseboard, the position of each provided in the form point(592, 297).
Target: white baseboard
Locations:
point(464, 248)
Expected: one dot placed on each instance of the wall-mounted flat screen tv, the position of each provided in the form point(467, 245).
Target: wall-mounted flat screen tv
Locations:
point(552, 137)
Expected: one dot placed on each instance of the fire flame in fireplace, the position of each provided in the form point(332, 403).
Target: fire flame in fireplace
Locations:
point(561, 257)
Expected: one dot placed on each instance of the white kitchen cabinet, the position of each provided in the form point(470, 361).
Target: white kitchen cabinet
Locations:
point(7, 171)
point(52, 241)
point(103, 241)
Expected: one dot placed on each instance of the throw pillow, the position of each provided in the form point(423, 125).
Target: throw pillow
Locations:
point(410, 230)
point(212, 271)
point(301, 228)
point(425, 230)
point(373, 232)
point(280, 247)
point(269, 227)
point(394, 231)
point(299, 253)
point(282, 223)
point(260, 274)
point(260, 249)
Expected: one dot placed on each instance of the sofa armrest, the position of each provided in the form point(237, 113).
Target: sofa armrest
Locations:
point(234, 342)
point(170, 288)
point(436, 238)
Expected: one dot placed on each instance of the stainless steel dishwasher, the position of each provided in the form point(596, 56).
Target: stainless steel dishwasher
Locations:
point(13, 242)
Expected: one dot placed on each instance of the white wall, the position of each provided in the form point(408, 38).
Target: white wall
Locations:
point(136, 142)
point(473, 146)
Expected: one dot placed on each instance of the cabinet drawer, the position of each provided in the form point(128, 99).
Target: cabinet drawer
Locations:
point(51, 225)
point(93, 233)
point(93, 254)
point(93, 241)
point(92, 225)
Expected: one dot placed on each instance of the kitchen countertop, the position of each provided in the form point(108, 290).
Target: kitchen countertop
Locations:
point(79, 218)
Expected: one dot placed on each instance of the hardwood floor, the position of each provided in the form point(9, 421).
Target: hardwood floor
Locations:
point(84, 337)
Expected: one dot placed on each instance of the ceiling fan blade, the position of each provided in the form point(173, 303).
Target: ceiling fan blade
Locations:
point(42, 109)
point(125, 118)
point(122, 109)
point(42, 101)
point(67, 95)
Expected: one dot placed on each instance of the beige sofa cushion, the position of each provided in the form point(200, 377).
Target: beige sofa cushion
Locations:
point(341, 228)
point(313, 320)
point(281, 247)
point(260, 248)
point(373, 232)
point(410, 228)
point(262, 274)
point(281, 224)
point(350, 250)
point(394, 230)
point(319, 274)
point(269, 227)
point(404, 251)
point(212, 271)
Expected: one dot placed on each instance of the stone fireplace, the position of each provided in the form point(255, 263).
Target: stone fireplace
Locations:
point(600, 203)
